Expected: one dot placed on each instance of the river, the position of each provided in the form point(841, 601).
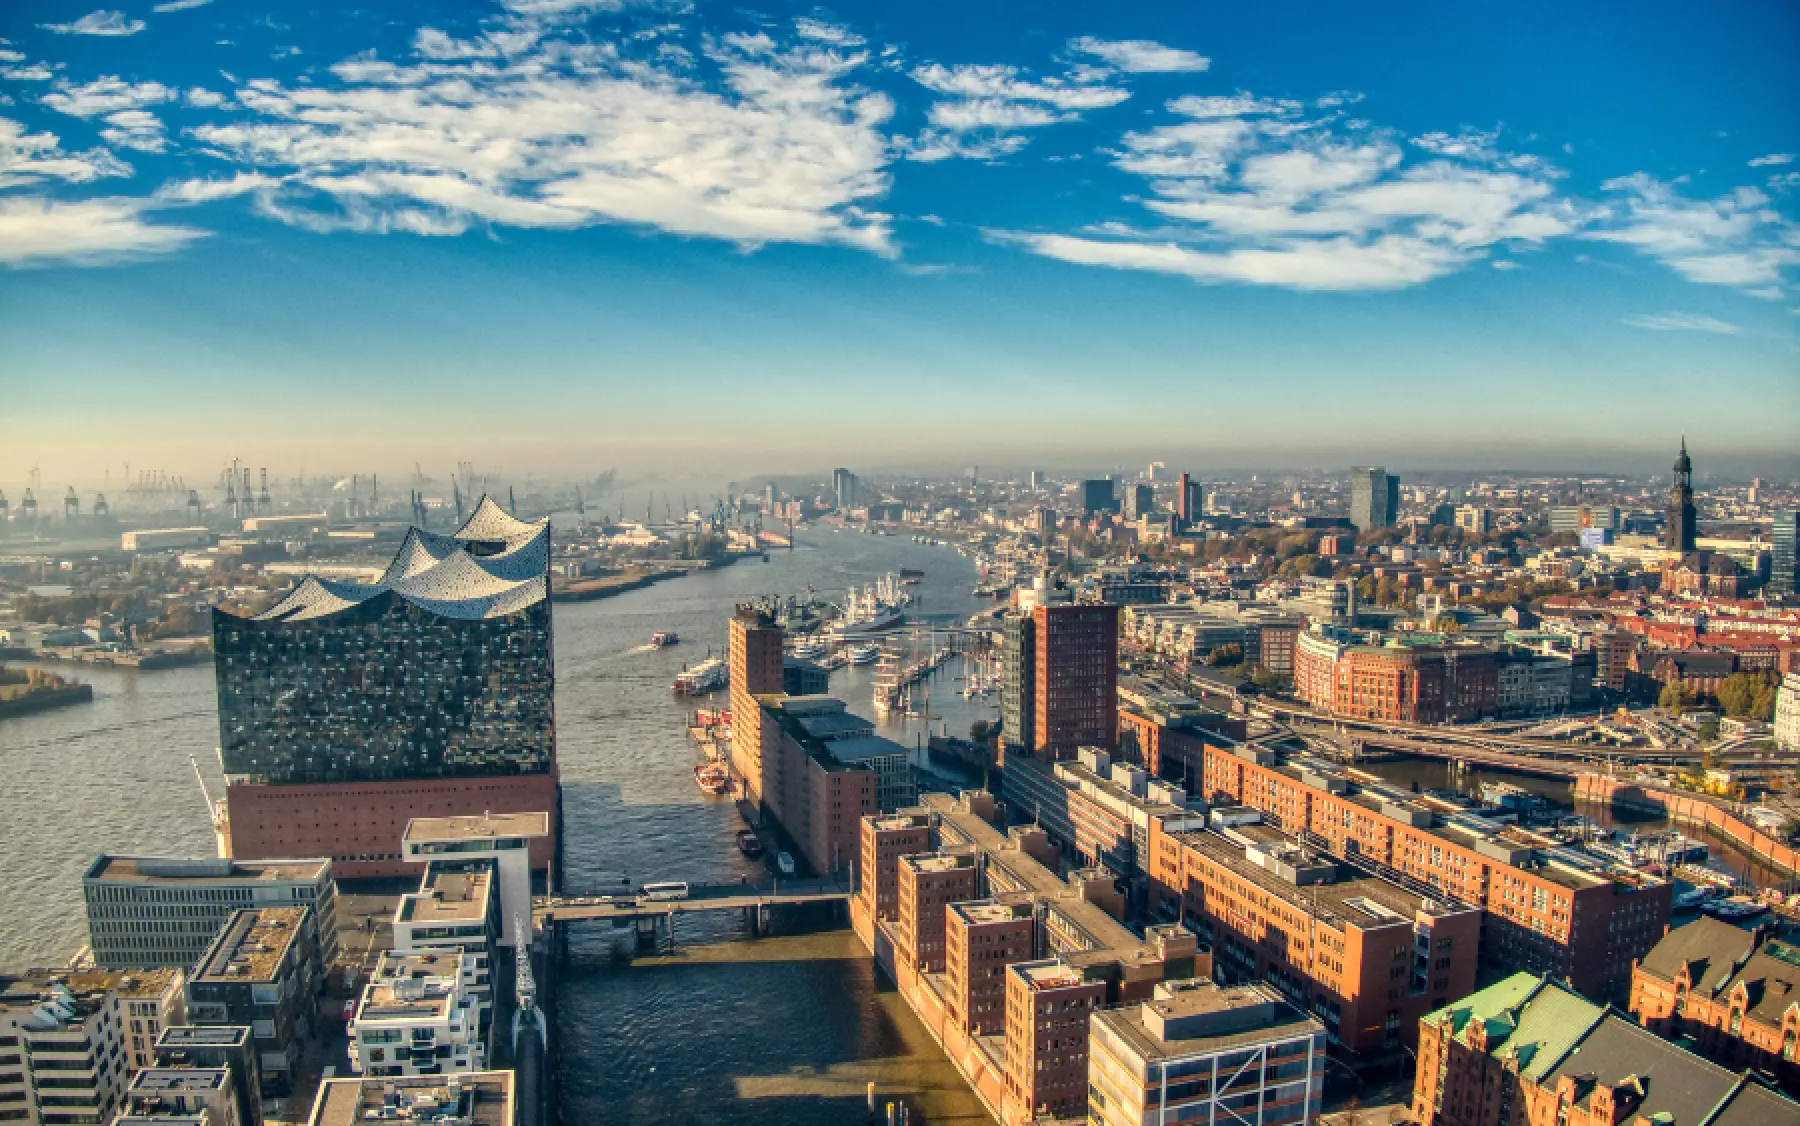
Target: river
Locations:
point(725, 1028)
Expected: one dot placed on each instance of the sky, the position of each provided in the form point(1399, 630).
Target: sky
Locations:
point(561, 235)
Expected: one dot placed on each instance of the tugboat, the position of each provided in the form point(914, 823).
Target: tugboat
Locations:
point(712, 778)
point(749, 844)
point(662, 639)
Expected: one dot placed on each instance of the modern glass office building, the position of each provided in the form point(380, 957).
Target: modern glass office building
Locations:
point(441, 669)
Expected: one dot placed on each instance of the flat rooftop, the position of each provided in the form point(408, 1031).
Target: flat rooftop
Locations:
point(157, 1080)
point(448, 897)
point(252, 945)
point(937, 862)
point(145, 869)
point(978, 913)
point(477, 828)
point(407, 999)
point(126, 983)
point(861, 748)
point(1209, 1010)
point(482, 1098)
point(1047, 975)
point(202, 1036)
point(1353, 897)
point(893, 821)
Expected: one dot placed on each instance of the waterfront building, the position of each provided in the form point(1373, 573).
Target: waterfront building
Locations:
point(1097, 810)
point(1097, 495)
point(1374, 498)
point(148, 911)
point(1018, 681)
point(504, 840)
point(347, 709)
point(164, 539)
point(457, 907)
point(804, 761)
point(1201, 1052)
point(1729, 993)
point(1367, 955)
point(1784, 553)
point(926, 886)
point(415, 1017)
point(68, 1047)
point(1529, 1051)
point(981, 938)
point(1075, 688)
point(1682, 527)
point(1047, 1007)
point(801, 677)
point(1787, 713)
point(477, 1098)
point(226, 1047)
point(263, 972)
point(1548, 910)
point(844, 489)
point(885, 839)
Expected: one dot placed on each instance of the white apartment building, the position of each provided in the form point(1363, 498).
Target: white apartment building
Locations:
point(1787, 713)
point(146, 912)
point(454, 910)
point(65, 1041)
point(416, 1017)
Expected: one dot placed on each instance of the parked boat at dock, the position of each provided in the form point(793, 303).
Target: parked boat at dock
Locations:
point(704, 677)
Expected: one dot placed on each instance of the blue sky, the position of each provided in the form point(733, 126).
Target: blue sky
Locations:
point(551, 234)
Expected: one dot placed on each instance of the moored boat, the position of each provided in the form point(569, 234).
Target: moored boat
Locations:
point(704, 677)
point(712, 778)
point(748, 843)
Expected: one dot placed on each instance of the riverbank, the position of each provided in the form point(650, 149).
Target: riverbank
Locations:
point(606, 586)
point(43, 699)
point(1691, 810)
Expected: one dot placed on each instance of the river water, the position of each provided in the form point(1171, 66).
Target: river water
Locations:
point(723, 1028)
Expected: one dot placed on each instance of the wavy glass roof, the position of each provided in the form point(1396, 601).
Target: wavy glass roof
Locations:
point(508, 570)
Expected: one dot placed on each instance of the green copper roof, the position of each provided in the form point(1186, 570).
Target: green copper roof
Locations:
point(1526, 1018)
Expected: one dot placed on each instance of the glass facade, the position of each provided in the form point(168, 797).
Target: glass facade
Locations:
point(385, 689)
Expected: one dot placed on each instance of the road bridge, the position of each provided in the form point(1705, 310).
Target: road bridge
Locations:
point(700, 898)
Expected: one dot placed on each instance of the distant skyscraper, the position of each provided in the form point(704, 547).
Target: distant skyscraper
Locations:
point(346, 709)
point(1097, 496)
point(1140, 501)
point(1036, 480)
point(1189, 500)
point(844, 487)
point(1784, 564)
point(770, 496)
point(1683, 522)
point(1374, 498)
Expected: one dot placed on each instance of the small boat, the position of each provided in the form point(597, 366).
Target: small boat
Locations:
point(712, 778)
point(1731, 910)
point(862, 654)
point(749, 844)
point(702, 678)
point(662, 639)
point(809, 650)
point(785, 863)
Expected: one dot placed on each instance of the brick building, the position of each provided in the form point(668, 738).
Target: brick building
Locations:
point(1527, 1052)
point(928, 885)
point(1731, 994)
point(884, 841)
point(982, 937)
point(1075, 689)
point(1047, 1008)
point(1543, 915)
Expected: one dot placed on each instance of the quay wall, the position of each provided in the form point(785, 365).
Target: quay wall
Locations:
point(45, 699)
point(1689, 809)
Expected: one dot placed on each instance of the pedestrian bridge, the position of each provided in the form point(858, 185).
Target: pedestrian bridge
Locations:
point(625, 906)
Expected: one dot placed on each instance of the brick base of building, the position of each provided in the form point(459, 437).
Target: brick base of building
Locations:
point(359, 824)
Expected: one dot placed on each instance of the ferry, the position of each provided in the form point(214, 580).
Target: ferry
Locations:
point(809, 650)
point(662, 639)
point(712, 778)
point(749, 844)
point(704, 677)
point(862, 654)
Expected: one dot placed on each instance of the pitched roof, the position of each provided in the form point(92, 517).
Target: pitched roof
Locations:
point(1675, 1082)
point(1706, 944)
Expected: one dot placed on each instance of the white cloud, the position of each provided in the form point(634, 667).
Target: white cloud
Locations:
point(28, 158)
point(206, 191)
point(134, 129)
point(180, 5)
point(1773, 158)
point(98, 23)
point(1257, 193)
point(1506, 264)
point(1140, 56)
point(107, 95)
point(198, 97)
point(781, 145)
point(985, 106)
point(1735, 240)
point(37, 231)
point(827, 33)
point(1681, 322)
point(7, 56)
point(35, 72)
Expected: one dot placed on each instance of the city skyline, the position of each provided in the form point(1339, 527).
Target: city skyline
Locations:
point(735, 244)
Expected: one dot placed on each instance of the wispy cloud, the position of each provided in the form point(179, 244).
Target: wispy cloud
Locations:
point(103, 22)
point(1681, 322)
point(1251, 190)
point(1734, 240)
point(31, 72)
point(985, 106)
point(38, 231)
point(558, 131)
point(1772, 158)
point(1140, 56)
point(32, 158)
point(180, 5)
point(134, 129)
point(107, 95)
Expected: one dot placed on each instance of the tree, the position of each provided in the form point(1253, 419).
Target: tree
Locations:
point(1270, 680)
point(1709, 733)
point(978, 731)
point(1673, 697)
point(1225, 656)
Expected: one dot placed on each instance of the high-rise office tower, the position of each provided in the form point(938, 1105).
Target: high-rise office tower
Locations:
point(1189, 501)
point(347, 709)
point(1784, 562)
point(1683, 521)
point(1140, 501)
point(1097, 496)
point(844, 488)
point(1075, 679)
point(1018, 667)
point(1374, 498)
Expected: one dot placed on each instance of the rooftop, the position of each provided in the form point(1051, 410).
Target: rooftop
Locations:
point(982, 912)
point(252, 945)
point(937, 862)
point(448, 896)
point(1050, 974)
point(480, 1098)
point(477, 828)
point(178, 1036)
point(158, 868)
point(1199, 1017)
point(157, 1080)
